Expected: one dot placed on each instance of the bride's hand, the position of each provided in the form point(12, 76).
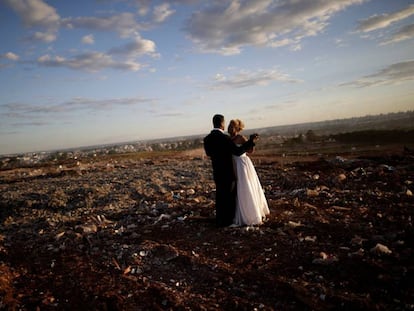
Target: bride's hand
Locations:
point(254, 137)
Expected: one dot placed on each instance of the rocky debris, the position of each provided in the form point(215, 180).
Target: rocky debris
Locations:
point(140, 234)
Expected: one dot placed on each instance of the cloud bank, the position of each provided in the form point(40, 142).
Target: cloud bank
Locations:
point(37, 14)
point(225, 27)
point(393, 74)
point(378, 22)
point(44, 23)
point(21, 113)
point(246, 78)
point(384, 20)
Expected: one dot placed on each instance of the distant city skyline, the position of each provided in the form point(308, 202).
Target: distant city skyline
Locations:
point(82, 73)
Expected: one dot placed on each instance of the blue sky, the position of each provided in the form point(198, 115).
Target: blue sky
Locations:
point(79, 73)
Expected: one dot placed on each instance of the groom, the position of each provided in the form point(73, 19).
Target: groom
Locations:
point(220, 148)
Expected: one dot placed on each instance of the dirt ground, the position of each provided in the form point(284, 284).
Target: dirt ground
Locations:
point(139, 234)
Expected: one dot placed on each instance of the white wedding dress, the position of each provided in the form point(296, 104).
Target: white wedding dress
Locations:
point(251, 204)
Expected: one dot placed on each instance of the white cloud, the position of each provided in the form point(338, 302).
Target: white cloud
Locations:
point(143, 6)
point(34, 12)
point(47, 37)
point(247, 78)
point(220, 77)
point(37, 14)
point(162, 12)
point(124, 24)
point(91, 61)
point(31, 112)
point(22, 111)
point(405, 33)
point(121, 58)
point(10, 56)
point(282, 42)
point(81, 103)
point(30, 123)
point(137, 47)
point(88, 39)
point(393, 74)
point(226, 27)
point(340, 42)
point(384, 20)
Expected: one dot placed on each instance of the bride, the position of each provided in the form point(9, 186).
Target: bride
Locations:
point(251, 204)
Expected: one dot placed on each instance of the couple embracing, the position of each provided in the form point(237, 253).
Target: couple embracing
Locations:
point(239, 196)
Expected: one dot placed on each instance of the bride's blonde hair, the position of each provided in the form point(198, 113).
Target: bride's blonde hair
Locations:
point(237, 124)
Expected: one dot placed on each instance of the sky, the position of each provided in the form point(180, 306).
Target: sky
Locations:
point(90, 72)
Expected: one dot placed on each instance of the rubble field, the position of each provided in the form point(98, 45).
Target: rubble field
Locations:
point(138, 233)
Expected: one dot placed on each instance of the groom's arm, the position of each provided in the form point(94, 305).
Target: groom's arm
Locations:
point(249, 150)
point(248, 145)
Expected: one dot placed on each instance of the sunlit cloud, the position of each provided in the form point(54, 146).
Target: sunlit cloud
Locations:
point(21, 114)
point(340, 42)
point(393, 74)
point(88, 39)
point(45, 21)
point(170, 114)
point(104, 104)
point(46, 37)
point(37, 14)
point(10, 56)
point(143, 6)
point(246, 78)
point(120, 58)
point(228, 26)
point(90, 61)
point(376, 22)
point(162, 12)
point(124, 24)
point(405, 33)
point(283, 105)
point(31, 124)
point(135, 48)
point(34, 13)
point(24, 113)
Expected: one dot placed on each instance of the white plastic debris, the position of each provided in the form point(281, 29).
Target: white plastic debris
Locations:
point(190, 191)
point(325, 259)
point(341, 177)
point(293, 224)
point(143, 253)
point(381, 249)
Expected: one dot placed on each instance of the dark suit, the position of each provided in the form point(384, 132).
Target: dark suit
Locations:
point(220, 148)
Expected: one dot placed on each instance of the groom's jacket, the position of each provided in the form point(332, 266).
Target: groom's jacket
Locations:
point(220, 148)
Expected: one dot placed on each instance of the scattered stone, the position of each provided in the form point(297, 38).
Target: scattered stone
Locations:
point(140, 233)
